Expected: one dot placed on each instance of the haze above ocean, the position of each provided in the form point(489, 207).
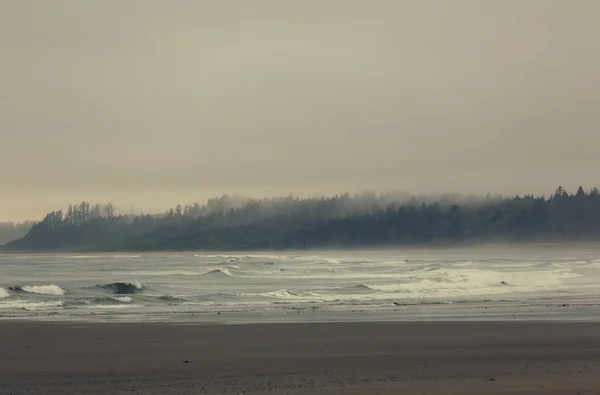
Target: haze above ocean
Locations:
point(496, 282)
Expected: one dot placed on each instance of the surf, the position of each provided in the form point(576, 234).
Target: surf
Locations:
point(122, 288)
point(40, 289)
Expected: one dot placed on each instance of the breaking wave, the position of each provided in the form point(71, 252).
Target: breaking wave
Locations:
point(109, 300)
point(122, 288)
point(279, 285)
point(40, 289)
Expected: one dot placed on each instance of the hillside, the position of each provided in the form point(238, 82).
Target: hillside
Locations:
point(339, 221)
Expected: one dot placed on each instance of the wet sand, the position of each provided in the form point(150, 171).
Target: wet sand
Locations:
point(308, 358)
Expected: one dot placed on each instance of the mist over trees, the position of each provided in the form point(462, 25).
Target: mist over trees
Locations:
point(10, 231)
point(341, 221)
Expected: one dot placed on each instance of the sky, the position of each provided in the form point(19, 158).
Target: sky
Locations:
point(150, 103)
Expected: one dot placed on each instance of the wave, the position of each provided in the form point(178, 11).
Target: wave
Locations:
point(40, 289)
point(244, 258)
point(171, 298)
point(420, 268)
point(4, 293)
point(126, 256)
point(462, 264)
point(358, 288)
point(29, 305)
point(122, 288)
point(218, 273)
point(162, 273)
point(101, 256)
point(286, 294)
point(108, 300)
point(591, 263)
point(123, 299)
point(338, 261)
point(82, 256)
point(113, 306)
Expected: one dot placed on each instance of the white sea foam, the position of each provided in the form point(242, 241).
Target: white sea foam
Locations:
point(242, 257)
point(102, 256)
point(43, 289)
point(113, 306)
point(287, 294)
point(29, 305)
point(123, 299)
point(452, 282)
point(83, 257)
point(126, 256)
point(269, 283)
point(4, 293)
point(162, 273)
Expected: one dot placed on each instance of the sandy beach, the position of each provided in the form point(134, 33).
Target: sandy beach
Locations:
point(308, 358)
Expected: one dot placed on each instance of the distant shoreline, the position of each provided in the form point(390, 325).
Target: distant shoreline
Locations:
point(366, 249)
point(337, 222)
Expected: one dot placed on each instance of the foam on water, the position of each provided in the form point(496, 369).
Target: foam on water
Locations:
point(163, 273)
point(287, 294)
point(40, 289)
point(83, 256)
point(126, 256)
point(113, 306)
point(262, 284)
point(123, 299)
point(171, 298)
point(95, 257)
point(30, 305)
point(470, 282)
point(242, 257)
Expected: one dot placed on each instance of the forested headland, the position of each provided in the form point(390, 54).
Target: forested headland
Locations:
point(342, 221)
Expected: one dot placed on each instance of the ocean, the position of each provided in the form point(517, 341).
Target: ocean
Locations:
point(479, 283)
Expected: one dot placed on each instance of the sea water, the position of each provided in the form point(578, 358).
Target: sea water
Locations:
point(501, 282)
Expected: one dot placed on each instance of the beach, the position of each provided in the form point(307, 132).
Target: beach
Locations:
point(463, 321)
point(494, 357)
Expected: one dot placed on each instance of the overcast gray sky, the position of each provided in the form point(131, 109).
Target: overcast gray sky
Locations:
point(149, 103)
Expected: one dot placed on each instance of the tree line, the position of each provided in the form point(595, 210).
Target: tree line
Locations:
point(345, 220)
point(10, 231)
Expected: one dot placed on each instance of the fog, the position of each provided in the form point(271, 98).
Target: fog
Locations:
point(149, 103)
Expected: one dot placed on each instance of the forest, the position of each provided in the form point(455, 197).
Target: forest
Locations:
point(10, 231)
point(341, 221)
